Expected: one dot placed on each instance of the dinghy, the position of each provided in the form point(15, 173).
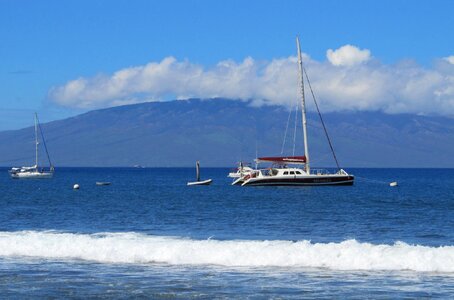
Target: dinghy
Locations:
point(199, 182)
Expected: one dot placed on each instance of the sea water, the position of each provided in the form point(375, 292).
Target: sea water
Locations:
point(148, 235)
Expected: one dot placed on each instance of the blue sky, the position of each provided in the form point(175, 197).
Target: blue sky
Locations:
point(45, 45)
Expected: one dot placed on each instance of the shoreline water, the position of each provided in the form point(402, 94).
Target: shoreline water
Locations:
point(150, 235)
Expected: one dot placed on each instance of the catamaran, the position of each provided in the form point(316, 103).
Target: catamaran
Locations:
point(34, 171)
point(296, 170)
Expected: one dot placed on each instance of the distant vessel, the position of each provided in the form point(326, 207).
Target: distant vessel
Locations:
point(280, 174)
point(199, 182)
point(34, 171)
point(102, 183)
point(240, 171)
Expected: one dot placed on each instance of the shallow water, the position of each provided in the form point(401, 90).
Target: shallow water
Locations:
point(149, 235)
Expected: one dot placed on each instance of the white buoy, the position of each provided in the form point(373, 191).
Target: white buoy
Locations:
point(76, 186)
point(394, 183)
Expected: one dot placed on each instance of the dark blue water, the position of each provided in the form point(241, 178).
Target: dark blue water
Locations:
point(149, 235)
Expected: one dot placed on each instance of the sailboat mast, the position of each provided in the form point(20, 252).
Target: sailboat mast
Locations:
point(36, 140)
point(303, 106)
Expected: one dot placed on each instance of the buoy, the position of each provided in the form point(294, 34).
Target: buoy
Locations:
point(76, 186)
point(394, 183)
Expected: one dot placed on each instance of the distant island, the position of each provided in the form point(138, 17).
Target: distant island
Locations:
point(221, 132)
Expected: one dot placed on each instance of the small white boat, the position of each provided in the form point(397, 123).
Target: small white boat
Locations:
point(102, 183)
point(199, 182)
point(34, 172)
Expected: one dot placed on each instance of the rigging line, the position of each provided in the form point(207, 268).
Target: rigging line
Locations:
point(321, 119)
point(286, 129)
point(294, 132)
point(256, 154)
point(44, 143)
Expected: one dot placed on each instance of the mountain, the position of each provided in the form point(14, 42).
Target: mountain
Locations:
point(220, 132)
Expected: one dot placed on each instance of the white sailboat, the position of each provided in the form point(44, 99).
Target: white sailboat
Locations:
point(295, 170)
point(34, 172)
point(199, 182)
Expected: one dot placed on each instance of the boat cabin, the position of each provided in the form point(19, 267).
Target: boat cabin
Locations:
point(281, 171)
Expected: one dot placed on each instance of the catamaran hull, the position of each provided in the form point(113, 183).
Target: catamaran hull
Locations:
point(302, 181)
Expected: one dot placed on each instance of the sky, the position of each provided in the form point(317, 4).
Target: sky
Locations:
point(62, 58)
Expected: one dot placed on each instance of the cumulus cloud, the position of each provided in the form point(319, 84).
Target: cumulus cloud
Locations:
point(347, 55)
point(450, 59)
point(348, 80)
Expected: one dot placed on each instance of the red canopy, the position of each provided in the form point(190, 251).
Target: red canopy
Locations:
point(283, 159)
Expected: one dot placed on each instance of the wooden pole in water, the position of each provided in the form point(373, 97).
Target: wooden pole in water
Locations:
point(197, 167)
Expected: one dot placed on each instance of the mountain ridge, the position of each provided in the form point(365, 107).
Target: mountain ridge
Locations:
point(220, 132)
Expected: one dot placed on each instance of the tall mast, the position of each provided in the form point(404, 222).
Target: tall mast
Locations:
point(303, 106)
point(36, 140)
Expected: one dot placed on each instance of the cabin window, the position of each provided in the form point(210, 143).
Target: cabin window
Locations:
point(286, 173)
point(292, 173)
point(298, 172)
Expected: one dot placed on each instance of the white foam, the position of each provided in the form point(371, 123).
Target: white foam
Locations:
point(141, 248)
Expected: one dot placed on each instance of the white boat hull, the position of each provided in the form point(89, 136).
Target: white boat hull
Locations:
point(32, 175)
point(202, 182)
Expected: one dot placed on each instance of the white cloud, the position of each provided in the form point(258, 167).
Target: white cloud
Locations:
point(344, 82)
point(347, 55)
point(450, 59)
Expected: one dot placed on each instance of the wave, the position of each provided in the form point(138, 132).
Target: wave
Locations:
point(141, 249)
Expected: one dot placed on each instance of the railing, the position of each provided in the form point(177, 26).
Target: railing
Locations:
point(326, 172)
point(320, 171)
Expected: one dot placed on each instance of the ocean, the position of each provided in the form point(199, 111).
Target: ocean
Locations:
point(148, 235)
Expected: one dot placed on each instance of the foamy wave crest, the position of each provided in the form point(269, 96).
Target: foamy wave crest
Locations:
point(141, 248)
